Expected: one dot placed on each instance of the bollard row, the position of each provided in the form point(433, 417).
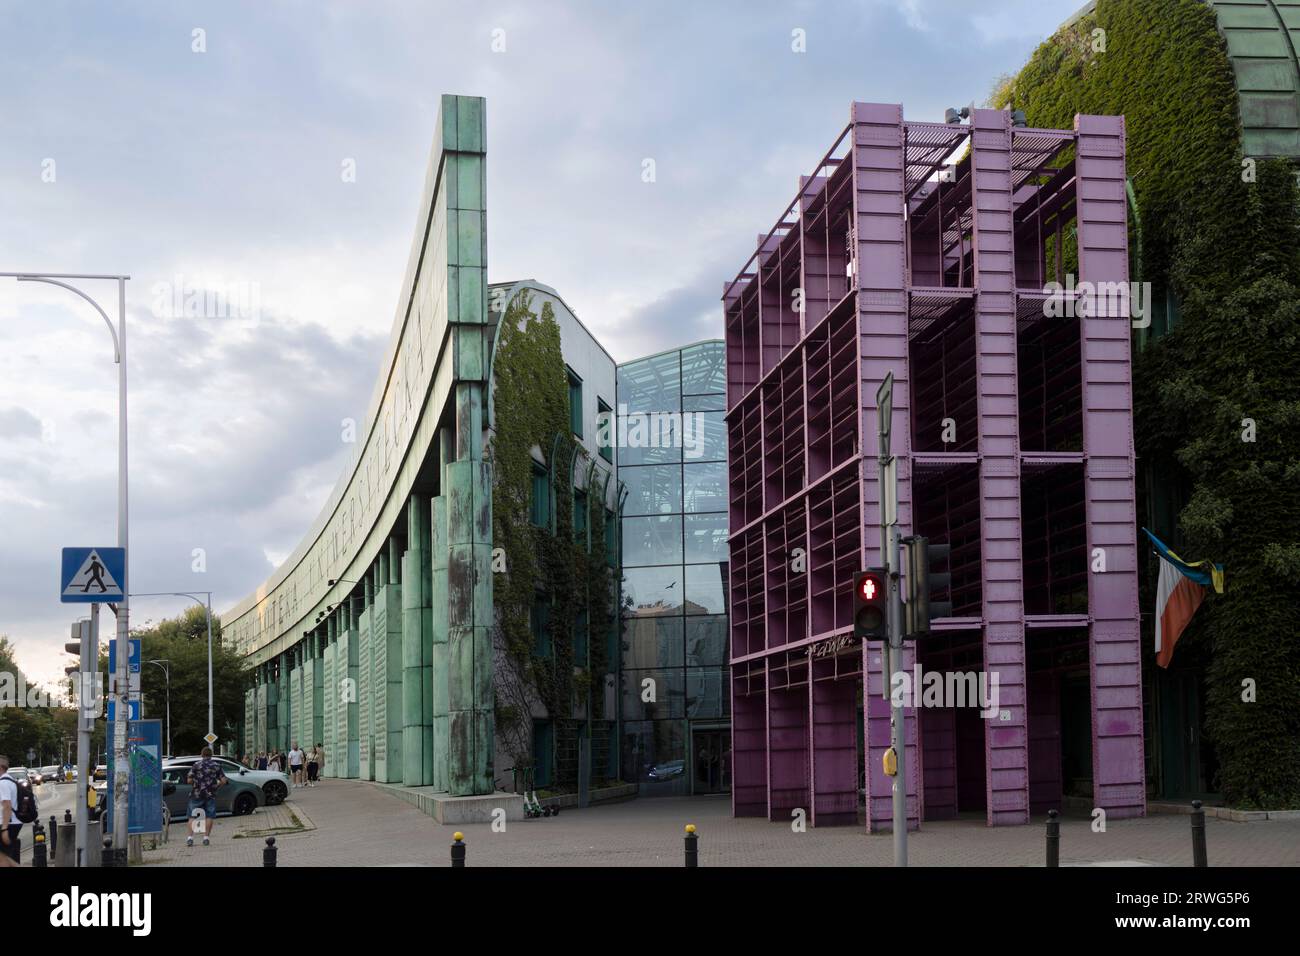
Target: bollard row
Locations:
point(1200, 857)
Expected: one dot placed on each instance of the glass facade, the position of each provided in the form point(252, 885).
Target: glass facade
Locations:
point(675, 700)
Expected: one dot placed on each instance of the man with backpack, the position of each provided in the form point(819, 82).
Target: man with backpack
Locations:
point(17, 807)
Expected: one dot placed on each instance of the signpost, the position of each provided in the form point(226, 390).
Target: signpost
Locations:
point(144, 773)
point(896, 757)
point(91, 576)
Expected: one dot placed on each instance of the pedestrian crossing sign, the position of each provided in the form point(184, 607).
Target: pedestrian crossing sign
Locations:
point(93, 575)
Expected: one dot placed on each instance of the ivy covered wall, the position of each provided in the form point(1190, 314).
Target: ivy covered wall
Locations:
point(1217, 400)
point(550, 564)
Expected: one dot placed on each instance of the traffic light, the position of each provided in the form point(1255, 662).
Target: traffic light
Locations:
point(871, 605)
point(927, 573)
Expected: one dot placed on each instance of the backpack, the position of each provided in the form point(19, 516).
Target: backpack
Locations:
point(26, 811)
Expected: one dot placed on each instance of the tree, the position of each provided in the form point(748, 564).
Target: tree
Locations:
point(184, 642)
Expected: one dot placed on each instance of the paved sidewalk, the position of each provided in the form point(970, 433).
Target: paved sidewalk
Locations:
point(357, 825)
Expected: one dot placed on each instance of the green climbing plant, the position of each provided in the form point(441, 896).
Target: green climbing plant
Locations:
point(1216, 400)
point(531, 427)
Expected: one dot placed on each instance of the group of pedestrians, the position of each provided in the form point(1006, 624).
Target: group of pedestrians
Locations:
point(304, 767)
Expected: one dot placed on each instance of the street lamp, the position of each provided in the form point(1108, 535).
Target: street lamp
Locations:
point(167, 670)
point(208, 605)
point(121, 756)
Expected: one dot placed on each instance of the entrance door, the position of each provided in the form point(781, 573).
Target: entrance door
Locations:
point(1186, 762)
point(710, 760)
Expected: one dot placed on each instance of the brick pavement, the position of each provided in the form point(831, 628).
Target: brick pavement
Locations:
point(355, 824)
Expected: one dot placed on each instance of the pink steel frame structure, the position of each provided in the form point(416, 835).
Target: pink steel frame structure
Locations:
point(922, 249)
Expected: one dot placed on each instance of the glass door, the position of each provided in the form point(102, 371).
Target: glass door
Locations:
point(710, 760)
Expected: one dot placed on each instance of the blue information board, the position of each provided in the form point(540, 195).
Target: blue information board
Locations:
point(144, 788)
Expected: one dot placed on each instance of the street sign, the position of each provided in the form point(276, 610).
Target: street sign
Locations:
point(133, 656)
point(889, 492)
point(92, 575)
point(133, 712)
point(210, 738)
point(885, 412)
point(144, 786)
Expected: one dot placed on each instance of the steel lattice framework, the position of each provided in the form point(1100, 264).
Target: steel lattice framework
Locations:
point(924, 249)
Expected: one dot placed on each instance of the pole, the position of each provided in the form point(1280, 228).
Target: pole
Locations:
point(209, 594)
point(168, 672)
point(897, 738)
point(121, 758)
point(86, 694)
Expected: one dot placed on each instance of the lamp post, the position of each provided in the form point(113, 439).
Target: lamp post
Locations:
point(120, 795)
point(207, 605)
point(167, 671)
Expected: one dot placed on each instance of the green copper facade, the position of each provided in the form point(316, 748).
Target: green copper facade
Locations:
point(373, 638)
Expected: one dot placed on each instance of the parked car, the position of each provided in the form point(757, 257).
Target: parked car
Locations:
point(274, 784)
point(101, 772)
point(238, 797)
point(666, 771)
point(50, 774)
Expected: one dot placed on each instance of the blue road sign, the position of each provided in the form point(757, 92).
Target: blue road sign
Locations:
point(93, 575)
point(132, 661)
point(133, 708)
point(144, 786)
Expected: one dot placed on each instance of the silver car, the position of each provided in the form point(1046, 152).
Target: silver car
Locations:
point(273, 784)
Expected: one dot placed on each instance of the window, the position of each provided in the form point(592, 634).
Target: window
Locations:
point(652, 540)
point(539, 620)
point(652, 489)
point(580, 516)
point(540, 512)
point(575, 402)
point(605, 429)
point(611, 538)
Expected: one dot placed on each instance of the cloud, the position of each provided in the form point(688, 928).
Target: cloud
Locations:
point(18, 422)
point(227, 169)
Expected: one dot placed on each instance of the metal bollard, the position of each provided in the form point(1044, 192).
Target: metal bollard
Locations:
point(1053, 838)
point(39, 859)
point(67, 816)
point(54, 838)
point(269, 854)
point(107, 858)
point(1199, 857)
point(458, 850)
point(692, 847)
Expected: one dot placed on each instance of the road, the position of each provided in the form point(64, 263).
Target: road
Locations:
point(51, 799)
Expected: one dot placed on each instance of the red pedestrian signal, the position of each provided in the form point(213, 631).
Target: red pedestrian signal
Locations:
point(870, 611)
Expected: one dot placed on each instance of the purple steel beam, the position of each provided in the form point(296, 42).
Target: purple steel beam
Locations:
point(880, 271)
point(1115, 653)
point(802, 437)
point(1006, 740)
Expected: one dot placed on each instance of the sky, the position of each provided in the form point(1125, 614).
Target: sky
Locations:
point(274, 152)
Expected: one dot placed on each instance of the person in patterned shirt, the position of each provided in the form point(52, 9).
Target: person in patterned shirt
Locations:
point(205, 779)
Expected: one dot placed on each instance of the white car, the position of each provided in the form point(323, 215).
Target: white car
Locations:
point(273, 784)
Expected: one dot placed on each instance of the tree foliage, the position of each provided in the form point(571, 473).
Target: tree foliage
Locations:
point(1228, 248)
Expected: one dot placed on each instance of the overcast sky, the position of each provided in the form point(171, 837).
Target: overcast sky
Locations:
point(125, 149)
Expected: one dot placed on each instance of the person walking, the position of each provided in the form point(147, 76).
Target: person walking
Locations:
point(296, 760)
point(273, 763)
point(10, 827)
point(205, 778)
point(261, 760)
point(320, 761)
point(313, 766)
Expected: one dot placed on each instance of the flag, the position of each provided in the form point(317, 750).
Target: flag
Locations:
point(1179, 592)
